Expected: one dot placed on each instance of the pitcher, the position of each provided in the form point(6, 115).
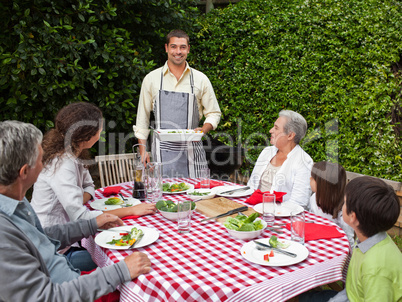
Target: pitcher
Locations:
point(139, 187)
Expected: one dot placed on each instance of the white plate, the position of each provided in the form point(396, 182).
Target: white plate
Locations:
point(179, 135)
point(286, 209)
point(99, 204)
point(150, 236)
point(249, 252)
point(235, 194)
point(191, 187)
point(208, 196)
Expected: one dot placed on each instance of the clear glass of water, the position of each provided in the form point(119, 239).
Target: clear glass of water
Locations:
point(268, 208)
point(184, 216)
point(205, 178)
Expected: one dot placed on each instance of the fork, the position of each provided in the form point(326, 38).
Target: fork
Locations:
point(122, 197)
point(125, 205)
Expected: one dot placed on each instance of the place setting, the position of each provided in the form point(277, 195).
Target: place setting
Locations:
point(112, 203)
point(126, 237)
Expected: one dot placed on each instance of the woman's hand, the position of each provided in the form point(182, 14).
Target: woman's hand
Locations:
point(143, 209)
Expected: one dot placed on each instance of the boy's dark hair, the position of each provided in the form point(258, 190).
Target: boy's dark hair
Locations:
point(374, 202)
point(331, 183)
point(177, 33)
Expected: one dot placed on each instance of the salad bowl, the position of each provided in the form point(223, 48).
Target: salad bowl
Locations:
point(246, 235)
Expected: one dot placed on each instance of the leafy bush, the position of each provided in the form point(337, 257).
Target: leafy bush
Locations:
point(337, 62)
point(53, 53)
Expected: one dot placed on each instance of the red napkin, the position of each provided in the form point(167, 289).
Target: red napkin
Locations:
point(256, 197)
point(111, 190)
point(130, 217)
point(314, 231)
point(212, 184)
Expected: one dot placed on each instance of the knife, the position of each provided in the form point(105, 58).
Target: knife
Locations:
point(276, 249)
point(234, 211)
point(112, 230)
point(137, 240)
point(232, 191)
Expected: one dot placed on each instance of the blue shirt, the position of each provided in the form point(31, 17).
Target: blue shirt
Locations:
point(25, 218)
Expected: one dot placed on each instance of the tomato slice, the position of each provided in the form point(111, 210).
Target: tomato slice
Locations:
point(271, 254)
point(266, 257)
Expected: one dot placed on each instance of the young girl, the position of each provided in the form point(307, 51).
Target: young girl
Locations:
point(328, 182)
point(65, 185)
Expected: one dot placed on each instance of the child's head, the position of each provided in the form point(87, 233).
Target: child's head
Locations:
point(374, 203)
point(76, 125)
point(328, 181)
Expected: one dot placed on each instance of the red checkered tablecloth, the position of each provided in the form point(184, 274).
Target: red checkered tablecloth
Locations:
point(206, 264)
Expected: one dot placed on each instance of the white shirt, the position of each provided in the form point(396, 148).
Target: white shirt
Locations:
point(203, 91)
point(314, 208)
point(267, 177)
point(293, 177)
point(58, 194)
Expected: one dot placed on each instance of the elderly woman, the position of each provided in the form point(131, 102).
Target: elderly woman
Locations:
point(285, 166)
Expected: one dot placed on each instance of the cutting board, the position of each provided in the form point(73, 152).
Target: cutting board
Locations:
point(215, 206)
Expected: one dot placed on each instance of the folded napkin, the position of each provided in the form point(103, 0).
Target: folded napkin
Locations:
point(256, 197)
point(212, 184)
point(314, 231)
point(130, 217)
point(111, 190)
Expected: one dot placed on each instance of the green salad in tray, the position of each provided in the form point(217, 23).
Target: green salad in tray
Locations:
point(244, 223)
point(175, 187)
point(170, 206)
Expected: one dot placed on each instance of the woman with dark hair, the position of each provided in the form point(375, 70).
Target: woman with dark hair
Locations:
point(65, 184)
point(328, 183)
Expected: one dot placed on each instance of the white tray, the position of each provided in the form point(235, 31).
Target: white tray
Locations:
point(178, 135)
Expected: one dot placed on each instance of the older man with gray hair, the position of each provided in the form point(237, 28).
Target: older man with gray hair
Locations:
point(285, 166)
point(31, 269)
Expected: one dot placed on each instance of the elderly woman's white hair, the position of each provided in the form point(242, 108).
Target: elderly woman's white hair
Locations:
point(295, 123)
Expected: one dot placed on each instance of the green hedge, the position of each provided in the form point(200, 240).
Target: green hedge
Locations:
point(337, 62)
point(53, 53)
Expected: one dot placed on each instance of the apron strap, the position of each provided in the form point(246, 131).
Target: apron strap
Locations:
point(191, 81)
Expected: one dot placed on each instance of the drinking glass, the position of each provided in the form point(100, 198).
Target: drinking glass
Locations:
point(154, 181)
point(184, 216)
point(205, 179)
point(268, 208)
point(297, 226)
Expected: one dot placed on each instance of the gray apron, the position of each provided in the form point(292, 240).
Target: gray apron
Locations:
point(177, 110)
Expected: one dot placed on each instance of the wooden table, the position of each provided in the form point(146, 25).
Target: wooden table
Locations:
point(206, 264)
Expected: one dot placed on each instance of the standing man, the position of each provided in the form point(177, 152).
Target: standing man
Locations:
point(30, 267)
point(178, 96)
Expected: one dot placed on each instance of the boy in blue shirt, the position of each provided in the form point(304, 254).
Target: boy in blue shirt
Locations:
point(375, 270)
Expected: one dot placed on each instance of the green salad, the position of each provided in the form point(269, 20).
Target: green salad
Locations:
point(274, 242)
point(128, 238)
point(170, 206)
point(176, 187)
point(198, 193)
point(187, 131)
point(244, 223)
